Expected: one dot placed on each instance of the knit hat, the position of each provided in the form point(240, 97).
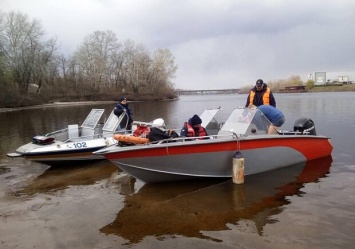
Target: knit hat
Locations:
point(195, 120)
point(121, 99)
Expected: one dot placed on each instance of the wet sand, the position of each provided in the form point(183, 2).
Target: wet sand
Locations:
point(41, 207)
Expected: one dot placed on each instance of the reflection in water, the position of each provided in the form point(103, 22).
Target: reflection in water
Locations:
point(188, 208)
point(60, 177)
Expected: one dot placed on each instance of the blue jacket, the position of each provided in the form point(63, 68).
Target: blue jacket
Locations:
point(127, 119)
point(272, 114)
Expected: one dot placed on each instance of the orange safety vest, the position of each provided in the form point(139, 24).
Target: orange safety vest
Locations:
point(266, 97)
point(191, 132)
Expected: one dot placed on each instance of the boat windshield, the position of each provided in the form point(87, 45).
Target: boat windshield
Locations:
point(245, 121)
point(111, 123)
point(208, 116)
point(93, 118)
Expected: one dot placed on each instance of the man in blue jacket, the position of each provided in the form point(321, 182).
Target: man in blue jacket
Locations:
point(122, 107)
point(274, 115)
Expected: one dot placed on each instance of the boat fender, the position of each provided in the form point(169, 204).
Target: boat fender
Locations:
point(238, 168)
point(110, 141)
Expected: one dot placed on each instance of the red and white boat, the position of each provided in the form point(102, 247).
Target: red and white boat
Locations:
point(244, 132)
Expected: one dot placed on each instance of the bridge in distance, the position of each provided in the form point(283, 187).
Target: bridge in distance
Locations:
point(215, 91)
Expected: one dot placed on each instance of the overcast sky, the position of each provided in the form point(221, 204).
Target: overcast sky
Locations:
point(216, 44)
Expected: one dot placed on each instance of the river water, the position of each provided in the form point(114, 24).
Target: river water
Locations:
point(98, 206)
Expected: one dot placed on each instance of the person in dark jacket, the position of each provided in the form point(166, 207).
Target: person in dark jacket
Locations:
point(122, 107)
point(274, 115)
point(260, 94)
point(193, 128)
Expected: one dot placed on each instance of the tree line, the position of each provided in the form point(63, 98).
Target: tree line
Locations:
point(33, 70)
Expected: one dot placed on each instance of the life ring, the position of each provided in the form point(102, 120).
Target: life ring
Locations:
point(130, 139)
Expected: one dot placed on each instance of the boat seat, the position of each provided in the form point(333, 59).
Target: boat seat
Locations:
point(87, 132)
point(73, 131)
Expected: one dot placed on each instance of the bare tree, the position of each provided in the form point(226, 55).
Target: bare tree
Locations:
point(135, 61)
point(2, 50)
point(95, 57)
point(163, 69)
point(45, 64)
point(101, 63)
point(23, 52)
point(117, 72)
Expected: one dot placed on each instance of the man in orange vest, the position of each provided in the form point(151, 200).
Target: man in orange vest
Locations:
point(260, 94)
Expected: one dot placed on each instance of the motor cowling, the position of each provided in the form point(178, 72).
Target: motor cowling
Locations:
point(305, 125)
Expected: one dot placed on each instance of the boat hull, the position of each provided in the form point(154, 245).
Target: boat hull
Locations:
point(214, 158)
point(58, 152)
point(64, 157)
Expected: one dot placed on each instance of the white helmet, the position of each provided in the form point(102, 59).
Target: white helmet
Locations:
point(158, 122)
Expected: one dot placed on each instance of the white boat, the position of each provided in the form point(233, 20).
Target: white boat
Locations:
point(243, 134)
point(73, 143)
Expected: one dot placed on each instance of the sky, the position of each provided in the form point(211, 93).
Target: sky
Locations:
point(216, 44)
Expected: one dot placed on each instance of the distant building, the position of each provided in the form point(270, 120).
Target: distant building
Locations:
point(320, 78)
point(326, 78)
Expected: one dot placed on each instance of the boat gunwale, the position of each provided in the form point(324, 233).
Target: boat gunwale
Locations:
point(169, 142)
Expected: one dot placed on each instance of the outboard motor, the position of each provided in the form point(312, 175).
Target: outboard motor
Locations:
point(305, 125)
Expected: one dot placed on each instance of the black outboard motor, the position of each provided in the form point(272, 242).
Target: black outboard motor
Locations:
point(305, 125)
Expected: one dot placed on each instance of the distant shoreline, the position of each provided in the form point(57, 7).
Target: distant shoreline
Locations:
point(317, 89)
point(333, 88)
point(55, 104)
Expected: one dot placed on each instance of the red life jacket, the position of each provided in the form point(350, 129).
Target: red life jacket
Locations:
point(141, 131)
point(191, 132)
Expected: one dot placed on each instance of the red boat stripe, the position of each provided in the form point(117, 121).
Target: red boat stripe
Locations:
point(311, 148)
